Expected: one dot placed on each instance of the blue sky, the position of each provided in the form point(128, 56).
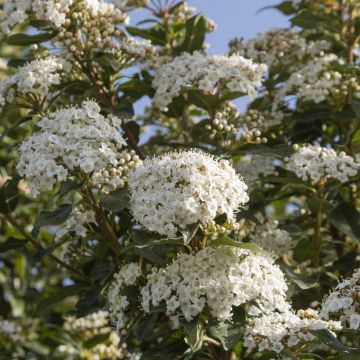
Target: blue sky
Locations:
point(235, 18)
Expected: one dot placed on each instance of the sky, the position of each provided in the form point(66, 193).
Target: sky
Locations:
point(235, 18)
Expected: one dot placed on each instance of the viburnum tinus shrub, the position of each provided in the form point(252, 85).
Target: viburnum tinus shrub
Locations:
point(191, 229)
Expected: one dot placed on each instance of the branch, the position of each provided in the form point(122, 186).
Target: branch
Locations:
point(39, 247)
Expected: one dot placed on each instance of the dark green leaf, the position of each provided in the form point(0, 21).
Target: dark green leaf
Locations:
point(42, 253)
point(145, 328)
point(301, 281)
point(95, 340)
point(124, 109)
point(25, 39)
point(89, 301)
point(67, 187)
point(16, 63)
point(101, 271)
point(155, 34)
point(329, 339)
point(346, 218)
point(134, 129)
point(9, 195)
point(12, 244)
point(57, 297)
point(56, 217)
point(116, 201)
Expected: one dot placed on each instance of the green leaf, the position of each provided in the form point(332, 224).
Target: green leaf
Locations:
point(355, 104)
point(89, 301)
point(16, 63)
point(194, 334)
point(134, 128)
point(96, 339)
point(76, 87)
point(286, 7)
point(145, 328)
point(260, 149)
point(116, 201)
point(67, 187)
point(224, 240)
point(195, 30)
point(308, 20)
point(56, 217)
point(124, 109)
point(301, 281)
point(156, 34)
point(108, 62)
point(229, 333)
point(44, 252)
point(189, 232)
point(330, 340)
point(9, 196)
point(101, 271)
point(346, 218)
point(12, 244)
point(25, 39)
point(64, 293)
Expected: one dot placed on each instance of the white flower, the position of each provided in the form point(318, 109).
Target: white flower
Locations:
point(313, 162)
point(343, 303)
point(17, 11)
point(284, 330)
point(172, 191)
point(36, 77)
point(277, 47)
point(253, 167)
point(126, 276)
point(271, 238)
point(207, 73)
point(69, 140)
point(220, 278)
point(317, 81)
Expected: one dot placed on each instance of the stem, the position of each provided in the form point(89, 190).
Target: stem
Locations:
point(109, 101)
point(107, 232)
point(318, 230)
point(39, 247)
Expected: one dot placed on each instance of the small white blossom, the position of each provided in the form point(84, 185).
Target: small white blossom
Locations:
point(220, 278)
point(271, 238)
point(36, 77)
point(343, 303)
point(278, 47)
point(69, 139)
point(285, 330)
point(313, 162)
point(207, 73)
point(126, 276)
point(178, 189)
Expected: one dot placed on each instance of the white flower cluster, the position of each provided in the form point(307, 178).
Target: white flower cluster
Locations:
point(138, 49)
point(75, 138)
point(253, 167)
point(343, 303)
point(277, 47)
point(114, 177)
point(207, 73)
point(18, 11)
point(220, 278)
point(86, 328)
point(271, 238)
point(177, 189)
point(118, 303)
point(36, 77)
point(318, 81)
point(315, 163)
point(76, 222)
point(286, 330)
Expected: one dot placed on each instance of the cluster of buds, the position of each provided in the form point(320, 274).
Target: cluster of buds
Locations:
point(223, 125)
point(114, 177)
point(91, 26)
point(213, 230)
